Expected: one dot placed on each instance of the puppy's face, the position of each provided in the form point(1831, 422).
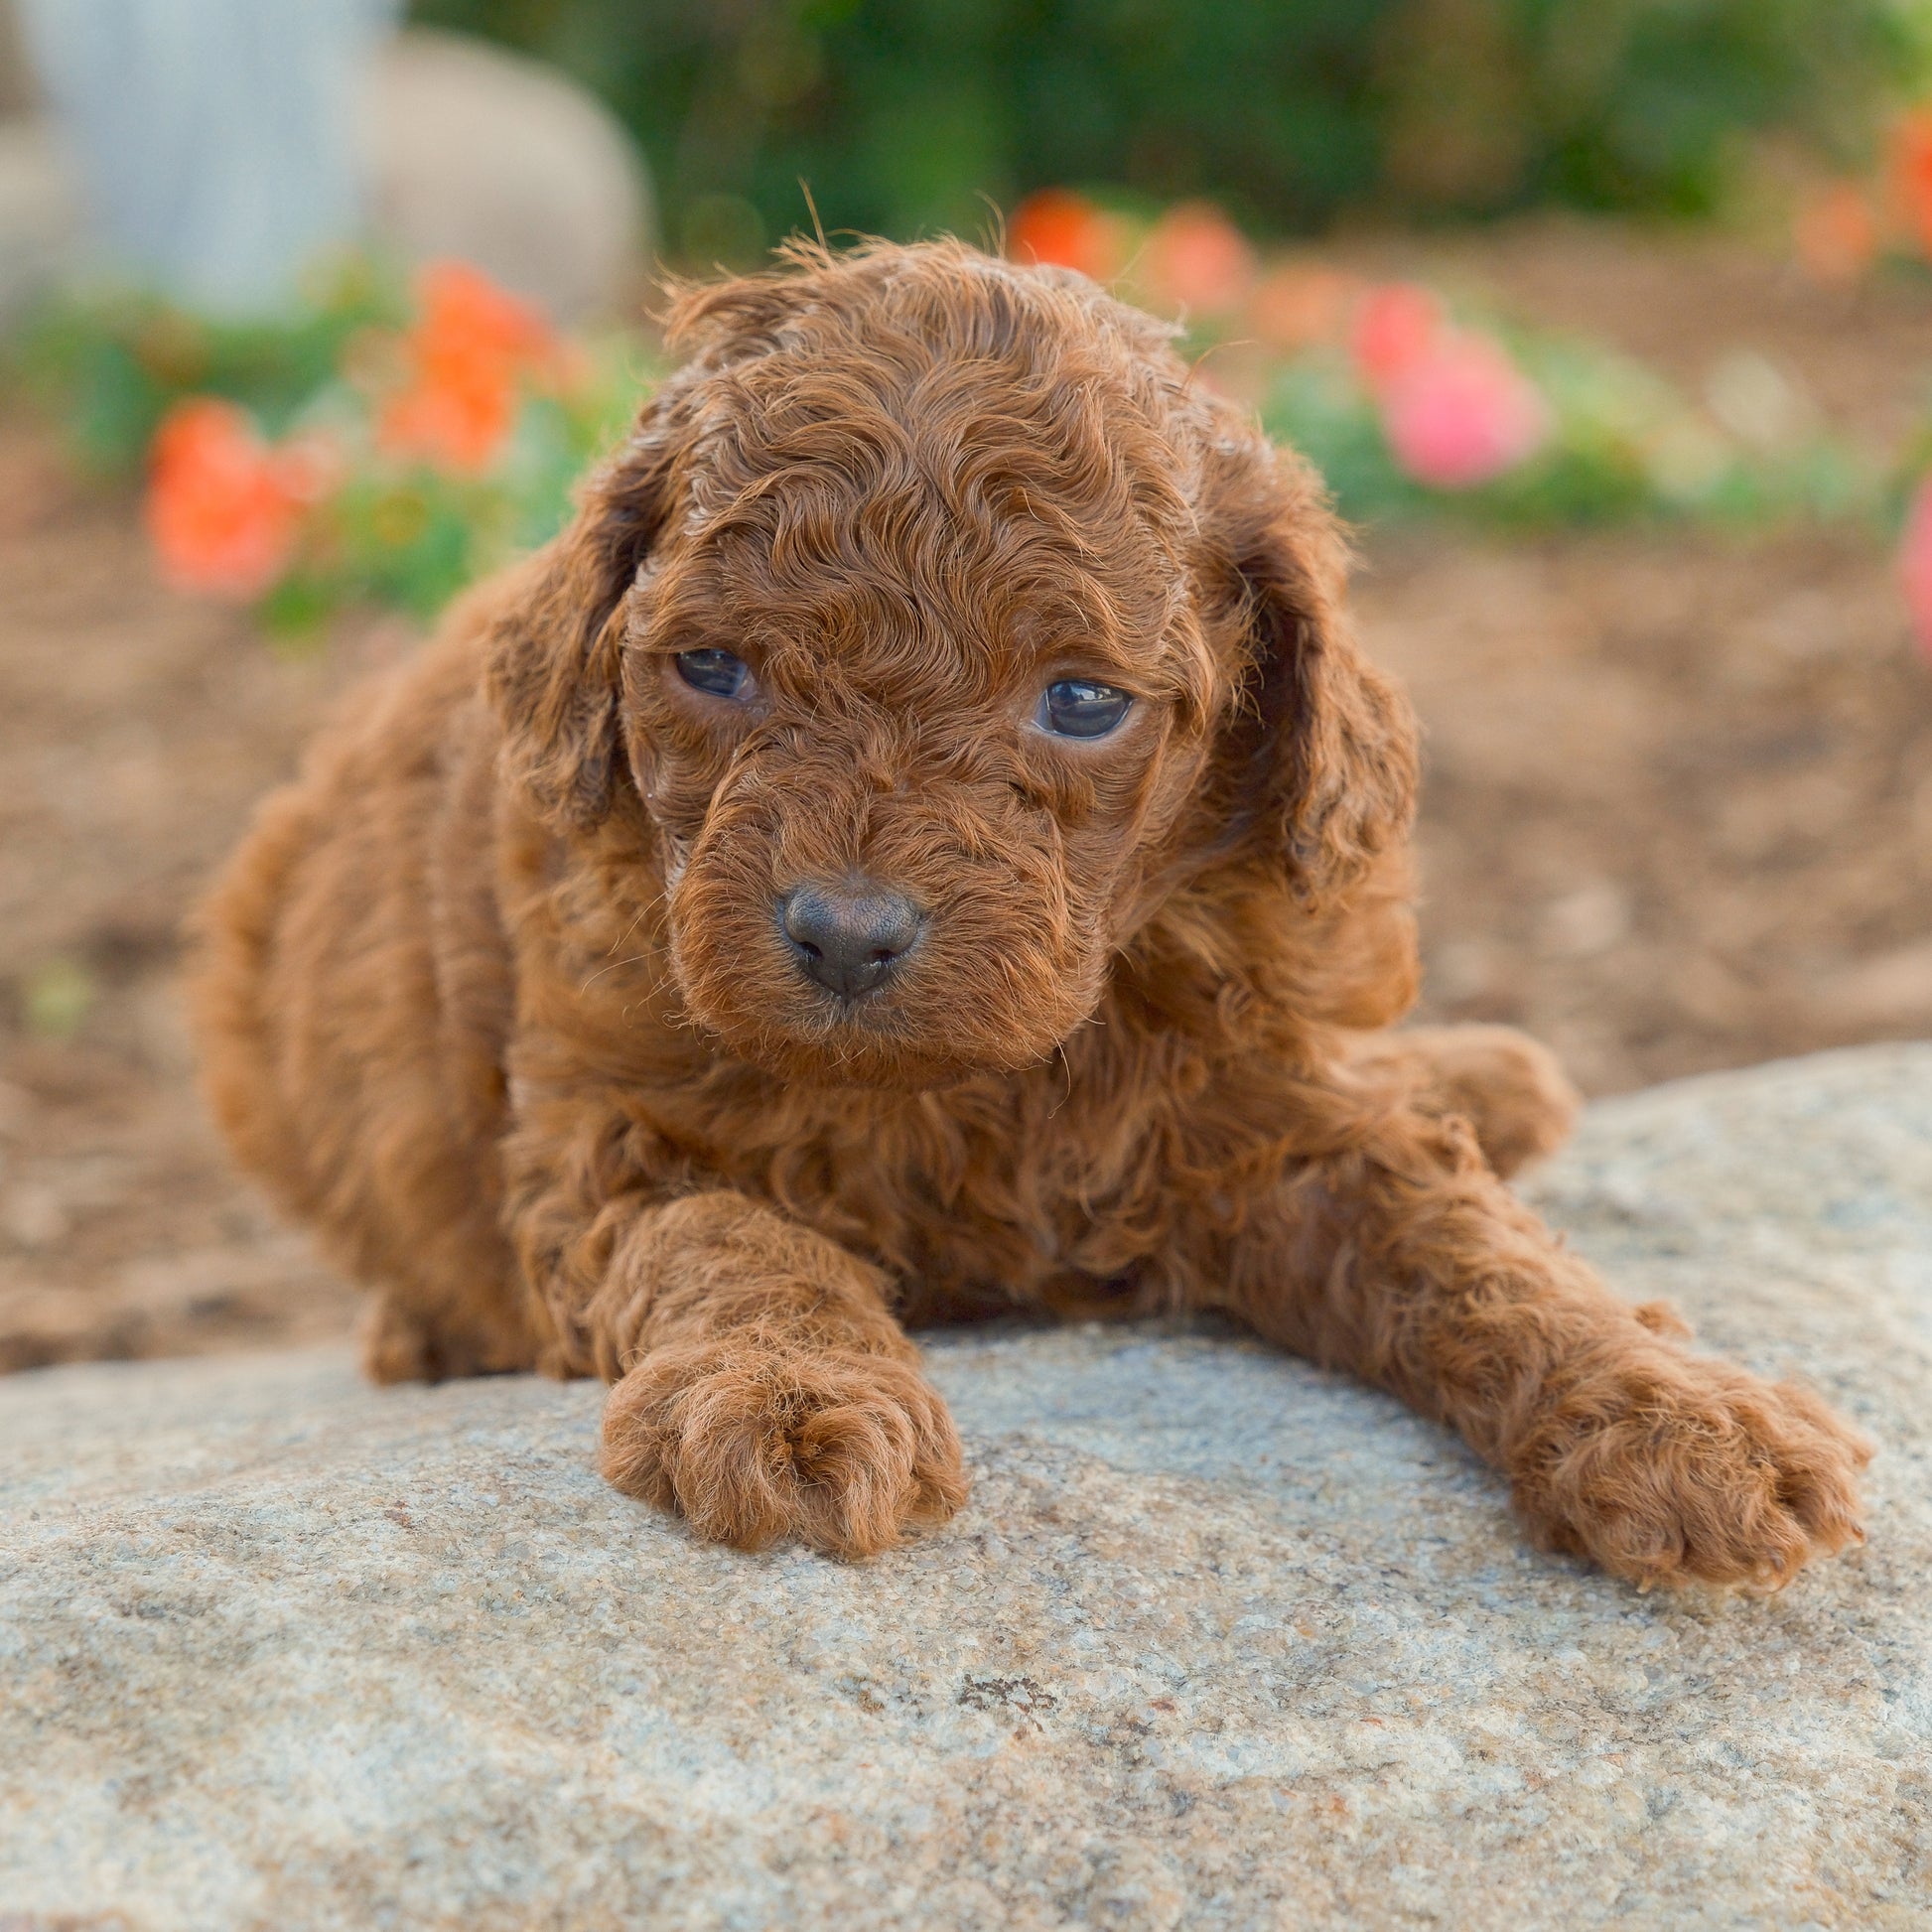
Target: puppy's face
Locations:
point(907, 714)
point(934, 662)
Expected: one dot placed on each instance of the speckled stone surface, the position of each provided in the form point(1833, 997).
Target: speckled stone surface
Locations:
point(1219, 1642)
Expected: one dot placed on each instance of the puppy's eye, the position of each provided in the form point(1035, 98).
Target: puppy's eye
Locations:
point(1075, 707)
point(715, 671)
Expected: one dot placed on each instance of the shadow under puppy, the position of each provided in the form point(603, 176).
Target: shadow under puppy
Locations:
point(923, 840)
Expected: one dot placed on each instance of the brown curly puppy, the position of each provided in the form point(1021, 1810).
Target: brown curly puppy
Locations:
point(924, 840)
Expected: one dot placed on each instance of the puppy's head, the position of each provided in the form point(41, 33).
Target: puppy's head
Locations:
point(939, 627)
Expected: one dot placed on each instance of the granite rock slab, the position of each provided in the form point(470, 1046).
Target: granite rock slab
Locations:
point(1220, 1641)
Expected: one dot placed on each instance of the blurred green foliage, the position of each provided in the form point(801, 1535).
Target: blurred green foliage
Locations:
point(905, 115)
point(395, 530)
point(1624, 446)
point(115, 360)
point(56, 999)
point(408, 537)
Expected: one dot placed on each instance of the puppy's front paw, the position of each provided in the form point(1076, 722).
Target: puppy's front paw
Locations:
point(1667, 1468)
point(755, 1440)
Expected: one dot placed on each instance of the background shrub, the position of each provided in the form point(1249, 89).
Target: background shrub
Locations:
point(904, 114)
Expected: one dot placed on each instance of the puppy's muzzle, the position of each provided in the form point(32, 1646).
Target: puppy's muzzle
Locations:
point(850, 938)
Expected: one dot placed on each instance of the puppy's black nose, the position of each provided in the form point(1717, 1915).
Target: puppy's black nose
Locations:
point(849, 937)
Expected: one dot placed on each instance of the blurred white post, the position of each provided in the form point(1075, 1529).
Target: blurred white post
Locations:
point(218, 139)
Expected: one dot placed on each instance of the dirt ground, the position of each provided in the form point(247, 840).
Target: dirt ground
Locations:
point(1678, 817)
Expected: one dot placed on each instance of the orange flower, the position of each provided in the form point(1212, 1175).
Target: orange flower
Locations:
point(1911, 174)
point(223, 508)
point(1397, 325)
point(1300, 304)
point(455, 423)
point(1837, 233)
point(465, 357)
point(1058, 227)
point(1197, 260)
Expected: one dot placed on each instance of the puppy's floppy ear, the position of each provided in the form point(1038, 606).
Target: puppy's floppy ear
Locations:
point(555, 647)
point(1317, 764)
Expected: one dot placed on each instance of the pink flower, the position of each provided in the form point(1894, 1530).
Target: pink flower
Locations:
point(1396, 325)
point(1462, 413)
point(1916, 564)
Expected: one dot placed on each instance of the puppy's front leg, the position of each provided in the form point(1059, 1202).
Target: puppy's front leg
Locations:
point(1406, 1260)
point(761, 1386)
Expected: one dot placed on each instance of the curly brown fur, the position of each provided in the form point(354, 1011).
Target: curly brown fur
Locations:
point(496, 995)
